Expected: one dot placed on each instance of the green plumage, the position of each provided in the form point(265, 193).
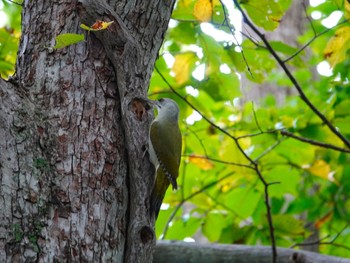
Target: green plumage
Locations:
point(167, 149)
point(166, 143)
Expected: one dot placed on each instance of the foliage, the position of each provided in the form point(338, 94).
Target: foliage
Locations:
point(67, 39)
point(9, 37)
point(250, 166)
point(235, 151)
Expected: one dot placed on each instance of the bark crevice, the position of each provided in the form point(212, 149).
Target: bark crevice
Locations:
point(77, 183)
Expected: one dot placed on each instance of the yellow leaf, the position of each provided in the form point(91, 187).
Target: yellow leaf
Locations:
point(201, 162)
point(104, 25)
point(182, 67)
point(322, 169)
point(229, 152)
point(203, 10)
point(97, 26)
point(347, 9)
point(337, 46)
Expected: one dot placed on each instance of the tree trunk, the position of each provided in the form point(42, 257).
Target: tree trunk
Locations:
point(75, 179)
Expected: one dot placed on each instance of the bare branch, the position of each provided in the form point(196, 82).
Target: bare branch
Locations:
point(309, 141)
point(199, 139)
point(232, 30)
point(332, 242)
point(291, 77)
point(218, 161)
point(255, 118)
point(317, 35)
point(269, 149)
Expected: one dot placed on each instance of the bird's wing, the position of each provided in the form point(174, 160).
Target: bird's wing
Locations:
point(167, 144)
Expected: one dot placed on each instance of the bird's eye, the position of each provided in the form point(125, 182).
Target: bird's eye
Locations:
point(161, 100)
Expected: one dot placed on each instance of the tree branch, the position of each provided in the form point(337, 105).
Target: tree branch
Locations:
point(291, 77)
point(309, 141)
point(331, 242)
point(254, 164)
point(217, 160)
point(178, 251)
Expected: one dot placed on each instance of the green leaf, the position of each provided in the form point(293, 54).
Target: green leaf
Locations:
point(13, 12)
point(287, 225)
point(286, 179)
point(220, 86)
point(68, 39)
point(85, 27)
point(343, 108)
point(184, 33)
point(343, 124)
point(213, 224)
point(243, 201)
point(218, 13)
point(290, 150)
point(283, 47)
point(235, 234)
point(184, 10)
point(259, 61)
point(185, 227)
point(5, 66)
point(342, 69)
point(264, 13)
point(8, 51)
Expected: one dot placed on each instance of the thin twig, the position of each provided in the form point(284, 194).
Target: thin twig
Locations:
point(267, 204)
point(232, 30)
point(204, 117)
point(312, 40)
point(251, 38)
point(291, 77)
point(255, 118)
point(320, 242)
point(303, 97)
point(254, 165)
point(309, 141)
point(309, 19)
point(13, 2)
point(183, 175)
point(269, 149)
point(218, 161)
point(225, 16)
point(171, 217)
point(199, 139)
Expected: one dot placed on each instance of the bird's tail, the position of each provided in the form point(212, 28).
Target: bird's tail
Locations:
point(158, 192)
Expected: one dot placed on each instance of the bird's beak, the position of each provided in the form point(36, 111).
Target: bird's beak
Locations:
point(153, 103)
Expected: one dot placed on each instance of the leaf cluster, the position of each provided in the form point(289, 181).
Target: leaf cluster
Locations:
point(260, 172)
point(9, 37)
point(246, 164)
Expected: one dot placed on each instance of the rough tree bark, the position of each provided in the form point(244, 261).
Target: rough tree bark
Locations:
point(173, 252)
point(75, 179)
